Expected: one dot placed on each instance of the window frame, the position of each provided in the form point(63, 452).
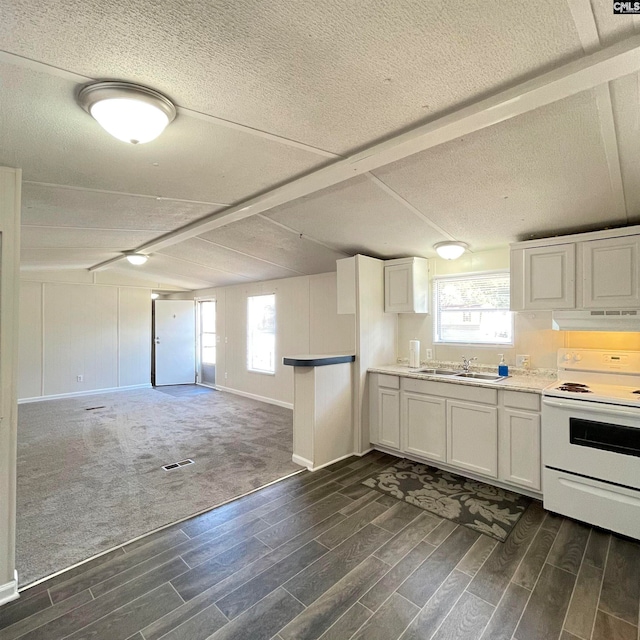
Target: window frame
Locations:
point(470, 275)
point(250, 369)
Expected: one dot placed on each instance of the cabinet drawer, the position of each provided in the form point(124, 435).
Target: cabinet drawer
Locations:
point(521, 400)
point(451, 390)
point(391, 382)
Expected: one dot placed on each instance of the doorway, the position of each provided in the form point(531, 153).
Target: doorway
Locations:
point(207, 342)
point(174, 337)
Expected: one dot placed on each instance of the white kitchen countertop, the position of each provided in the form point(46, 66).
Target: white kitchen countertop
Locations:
point(532, 381)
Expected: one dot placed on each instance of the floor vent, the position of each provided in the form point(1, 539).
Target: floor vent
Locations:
point(94, 408)
point(176, 465)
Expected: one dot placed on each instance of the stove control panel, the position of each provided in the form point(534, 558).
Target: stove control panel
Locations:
point(599, 360)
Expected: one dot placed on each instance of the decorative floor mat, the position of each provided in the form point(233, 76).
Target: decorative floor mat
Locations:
point(479, 506)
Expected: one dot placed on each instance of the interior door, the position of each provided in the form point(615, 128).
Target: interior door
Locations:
point(174, 342)
point(207, 342)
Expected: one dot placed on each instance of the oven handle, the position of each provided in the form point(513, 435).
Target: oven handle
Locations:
point(577, 404)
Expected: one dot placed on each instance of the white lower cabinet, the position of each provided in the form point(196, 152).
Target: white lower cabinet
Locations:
point(472, 437)
point(490, 432)
point(423, 425)
point(384, 410)
point(389, 413)
point(520, 448)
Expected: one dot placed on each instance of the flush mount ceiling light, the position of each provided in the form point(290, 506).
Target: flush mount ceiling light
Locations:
point(136, 258)
point(450, 250)
point(130, 112)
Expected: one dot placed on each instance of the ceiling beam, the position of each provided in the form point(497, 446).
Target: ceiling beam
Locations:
point(585, 22)
point(567, 80)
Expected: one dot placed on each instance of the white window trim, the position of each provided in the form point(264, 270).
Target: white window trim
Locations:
point(469, 276)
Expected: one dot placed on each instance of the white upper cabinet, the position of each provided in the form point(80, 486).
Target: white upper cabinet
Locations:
point(406, 285)
point(548, 278)
point(597, 270)
point(610, 273)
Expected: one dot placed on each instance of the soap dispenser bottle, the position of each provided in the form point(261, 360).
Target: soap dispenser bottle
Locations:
point(503, 369)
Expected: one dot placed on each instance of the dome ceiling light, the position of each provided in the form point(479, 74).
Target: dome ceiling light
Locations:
point(137, 258)
point(450, 250)
point(130, 112)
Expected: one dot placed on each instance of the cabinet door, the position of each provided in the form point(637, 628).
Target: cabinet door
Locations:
point(398, 288)
point(610, 273)
point(389, 417)
point(472, 437)
point(520, 448)
point(550, 277)
point(424, 425)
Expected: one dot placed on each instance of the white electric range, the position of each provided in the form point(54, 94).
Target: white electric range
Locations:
point(591, 439)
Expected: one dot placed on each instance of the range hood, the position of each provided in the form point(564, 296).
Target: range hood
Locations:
point(596, 320)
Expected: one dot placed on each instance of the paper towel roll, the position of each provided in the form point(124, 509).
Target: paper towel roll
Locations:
point(414, 353)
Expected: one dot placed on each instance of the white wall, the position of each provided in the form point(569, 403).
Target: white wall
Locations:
point(101, 332)
point(306, 322)
point(533, 333)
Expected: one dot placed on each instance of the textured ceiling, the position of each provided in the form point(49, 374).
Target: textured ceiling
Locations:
point(264, 87)
point(625, 94)
point(333, 74)
point(45, 132)
point(357, 217)
point(533, 175)
point(45, 205)
point(262, 239)
point(210, 255)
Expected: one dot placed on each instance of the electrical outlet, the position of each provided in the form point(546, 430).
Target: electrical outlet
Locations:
point(79, 378)
point(523, 361)
point(429, 354)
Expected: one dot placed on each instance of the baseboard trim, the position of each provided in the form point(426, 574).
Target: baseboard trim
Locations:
point(303, 462)
point(307, 463)
point(9, 591)
point(364, 453)
point(253, 396)
point(76, 394)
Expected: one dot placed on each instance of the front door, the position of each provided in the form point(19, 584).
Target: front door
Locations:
point(207, 341)
point(174, 338)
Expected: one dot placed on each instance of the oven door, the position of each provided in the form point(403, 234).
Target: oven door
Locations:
point(592, 439)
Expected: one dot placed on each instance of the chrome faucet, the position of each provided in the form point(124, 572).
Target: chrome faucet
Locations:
point(466, 363)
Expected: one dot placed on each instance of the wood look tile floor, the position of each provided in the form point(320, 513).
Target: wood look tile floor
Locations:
point(319, 555)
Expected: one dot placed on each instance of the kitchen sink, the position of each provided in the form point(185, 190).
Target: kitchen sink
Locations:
point(438, 372)
point(489, 377)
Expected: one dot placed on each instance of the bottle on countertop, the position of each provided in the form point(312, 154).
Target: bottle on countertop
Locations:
point(503, 369)
point(414, 354)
